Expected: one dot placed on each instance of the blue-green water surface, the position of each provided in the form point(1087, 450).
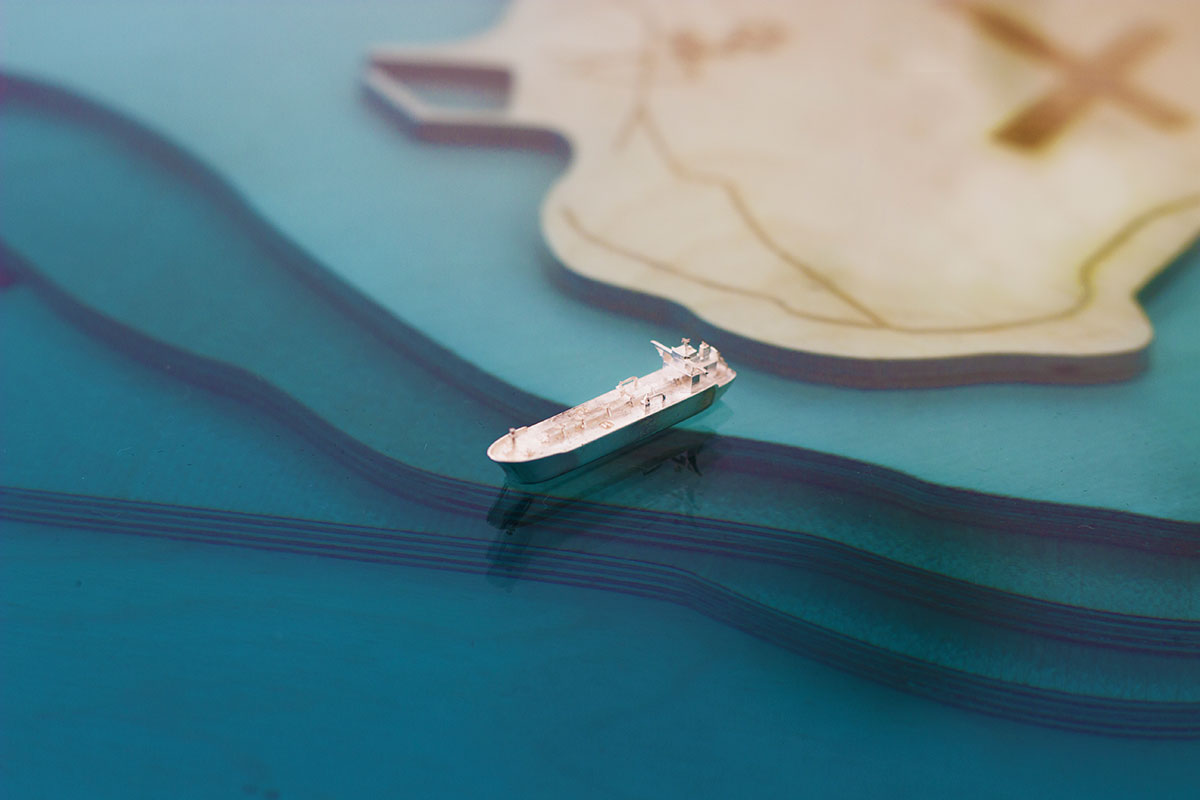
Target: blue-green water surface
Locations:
point(137, 667)
point(246, 546)
point(269, 94)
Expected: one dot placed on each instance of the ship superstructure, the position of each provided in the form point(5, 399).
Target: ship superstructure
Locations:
point(690, 380)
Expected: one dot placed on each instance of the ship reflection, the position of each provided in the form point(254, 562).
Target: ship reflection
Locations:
point(531, 518)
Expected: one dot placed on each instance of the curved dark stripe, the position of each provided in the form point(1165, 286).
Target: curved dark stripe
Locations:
point(931, 589)
point(738, 457)
point(744, 457)
point(1117, 528)
point(1081, 625)
point(1088, 713)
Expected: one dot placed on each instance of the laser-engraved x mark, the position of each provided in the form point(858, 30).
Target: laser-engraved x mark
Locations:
point(1086, 79)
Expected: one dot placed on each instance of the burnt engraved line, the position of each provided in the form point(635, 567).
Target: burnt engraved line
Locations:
point(1086, 271)
point(640, 116)
point(1085, 274)
point(743, 212)
point(647, 66)
point(588, 235)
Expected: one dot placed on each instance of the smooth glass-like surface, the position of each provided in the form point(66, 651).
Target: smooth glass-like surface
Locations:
point(251, 545)
point(269, 95)
point(145, 655)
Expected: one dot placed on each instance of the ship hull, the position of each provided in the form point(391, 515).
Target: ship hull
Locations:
point(551, 466)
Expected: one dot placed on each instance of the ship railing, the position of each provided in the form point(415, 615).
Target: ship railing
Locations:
point(649, 399)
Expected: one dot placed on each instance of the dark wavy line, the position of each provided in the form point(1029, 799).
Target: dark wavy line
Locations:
point(739, 457)
point(1087, 713)
point(726, 537)
point(1103, 526)
point(1026, 615)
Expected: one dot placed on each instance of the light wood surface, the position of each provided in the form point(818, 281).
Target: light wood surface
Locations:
point(925, 183)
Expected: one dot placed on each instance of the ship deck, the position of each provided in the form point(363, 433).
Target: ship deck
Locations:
point(632, 400)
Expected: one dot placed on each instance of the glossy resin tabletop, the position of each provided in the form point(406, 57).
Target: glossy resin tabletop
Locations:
point(256, 339)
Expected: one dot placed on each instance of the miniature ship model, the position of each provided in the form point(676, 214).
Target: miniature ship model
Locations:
point(690, 381)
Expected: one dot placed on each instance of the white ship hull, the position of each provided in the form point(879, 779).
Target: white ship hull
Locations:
point(631, 413)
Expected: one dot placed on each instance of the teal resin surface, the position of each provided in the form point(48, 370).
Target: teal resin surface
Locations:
point(250, 545)
point(158, 663)
point(268, 95)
